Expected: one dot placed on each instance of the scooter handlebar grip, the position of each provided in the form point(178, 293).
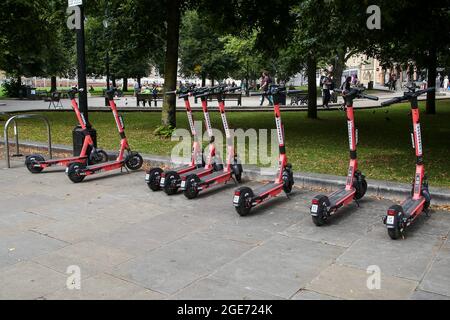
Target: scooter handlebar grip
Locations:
point(366, 96)
point(71, 94)
point(295, 91)
point(392, 101)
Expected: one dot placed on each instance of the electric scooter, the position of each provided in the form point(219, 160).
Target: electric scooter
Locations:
point(244, 197)
point(77, 171)
point(324, 206)
point(89, 153)
point(213, 163)
point(158, 179)
point(193, 184)
point(399, 217)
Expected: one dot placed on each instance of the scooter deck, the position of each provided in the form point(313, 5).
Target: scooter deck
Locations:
point(215, 175)
point(339, 196)
point(410, 205)
point(198, 172)
point(266, 189)
point(182, 169)
point(103, 165)
point(55, 161)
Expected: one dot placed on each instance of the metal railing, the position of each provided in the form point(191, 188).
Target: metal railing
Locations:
point(13, 120)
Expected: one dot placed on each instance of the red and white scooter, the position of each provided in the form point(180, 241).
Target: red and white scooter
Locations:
point(169, 180)
point(399, 217)
point(89, 153)
point(77, 171)
point(324, 206)
point(193, 183)
point(244, 197)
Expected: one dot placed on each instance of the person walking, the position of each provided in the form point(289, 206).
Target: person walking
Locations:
point(265, 86)
point(394, 82)
point(446, 82)
point(137, 88)
point(326, 82)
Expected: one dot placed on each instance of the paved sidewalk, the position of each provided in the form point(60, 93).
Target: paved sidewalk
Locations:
point(131, 243)
point(130, 102)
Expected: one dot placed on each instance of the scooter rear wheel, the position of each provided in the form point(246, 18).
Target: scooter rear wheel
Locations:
point(245, 201)
point(73, 172)
point(191, 189)
point(360, 192)
point(31, 160)
point(99, 157)
point(171, 182)
point(134, 161)
point(154, 179)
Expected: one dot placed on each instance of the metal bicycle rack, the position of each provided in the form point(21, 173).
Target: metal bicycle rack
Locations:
point(13, 120)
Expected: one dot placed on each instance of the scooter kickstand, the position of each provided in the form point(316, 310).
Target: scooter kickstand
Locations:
point(357, 203)
point(121, 169)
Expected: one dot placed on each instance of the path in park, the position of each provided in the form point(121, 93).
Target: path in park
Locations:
point(125, 102)
point(131, 243)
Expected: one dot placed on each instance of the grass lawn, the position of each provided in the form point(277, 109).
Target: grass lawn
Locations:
point(384, 150)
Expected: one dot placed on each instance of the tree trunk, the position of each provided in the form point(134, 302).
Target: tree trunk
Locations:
point(338, 68)
point(312, 87)
point(431, 96)
point(53, 84)
point(203, 80)
point(139, 79)
point(19, 91)
point(125, 85)
point(168, 115)
point(113, 80)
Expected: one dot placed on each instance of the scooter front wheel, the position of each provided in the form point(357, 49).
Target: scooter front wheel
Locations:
point(191, 189)
point(32, 160)
point(153, 179)
point(73, 172)
point(98, 156)
point(134, 161)
point(361, 191)
point(171, 182)
point(243, 204)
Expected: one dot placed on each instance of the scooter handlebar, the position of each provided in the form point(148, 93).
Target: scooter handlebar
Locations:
point(366, 96)
point(392, 101)
point(407, 96)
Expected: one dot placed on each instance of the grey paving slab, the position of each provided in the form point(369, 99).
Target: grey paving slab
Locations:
point(131, 238)
point(216, 289)
point(78, 229)
point(281, 266)
point(409, 258)
point(176, 265)
point(348, 225)
point(437, 279)
point(17, 220)
point(105, 287)
point(91, 257)
point(424, 295)
point(312, 295)
point(351, 283)
point(20, 246)
point(29, 280)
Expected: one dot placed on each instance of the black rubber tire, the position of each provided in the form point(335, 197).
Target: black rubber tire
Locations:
point(394, 233)
point(191, 191)
point(318, 220)
point(217, 166)
point(30, 160)
point(237, 171)
point(72, 172)
point(101, 157)
point(134, 161)
point(360, 193)
point(170, 184)
point(426, 195)
point(244, 205)
point(288, 183)
point(155, 178)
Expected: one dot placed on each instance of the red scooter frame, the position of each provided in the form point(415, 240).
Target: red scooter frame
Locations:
point(399, 217)
point(244, 197)
point(169, 180)
point(78, 171)
point(233, 169)
point(36, 163)
point(323, 206)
